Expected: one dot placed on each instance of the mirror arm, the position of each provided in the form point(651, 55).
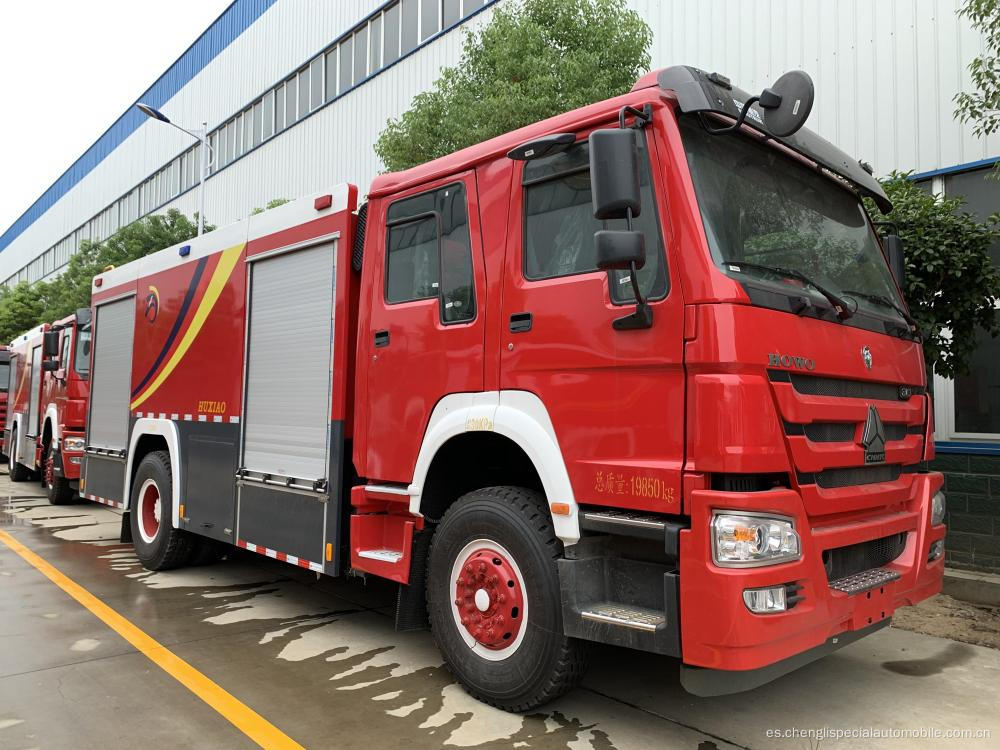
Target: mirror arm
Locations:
point(643, 116)
point(739, 120)
point(643, 315)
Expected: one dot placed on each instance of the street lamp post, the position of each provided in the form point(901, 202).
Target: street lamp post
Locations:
point(201, 134)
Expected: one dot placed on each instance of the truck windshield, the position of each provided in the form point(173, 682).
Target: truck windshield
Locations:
point(4, 376)
point(81, 355)
point(765, 208)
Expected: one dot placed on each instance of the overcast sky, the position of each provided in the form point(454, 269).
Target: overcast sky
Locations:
point(69, 69)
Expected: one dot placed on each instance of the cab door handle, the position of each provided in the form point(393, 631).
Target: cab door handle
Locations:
point(520, 322)
point(381, 339)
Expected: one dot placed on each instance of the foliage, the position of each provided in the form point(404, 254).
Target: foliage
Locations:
point(982, 106)
point(951, 280)
point(273, 203)
point(533, 60)
point(26, 306)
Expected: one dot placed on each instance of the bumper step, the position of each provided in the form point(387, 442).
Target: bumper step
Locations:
point(637, 618)
point(864, 581)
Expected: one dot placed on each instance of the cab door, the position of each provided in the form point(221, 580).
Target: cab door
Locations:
point(615, 397)
point(426, 333)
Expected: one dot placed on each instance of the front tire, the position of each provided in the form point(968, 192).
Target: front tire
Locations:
point(57, 489)
point(158, 545)
point(494, 600)
point(18, 472)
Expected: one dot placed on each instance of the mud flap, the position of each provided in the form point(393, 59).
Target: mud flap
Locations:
point(125, 537)
point(411, 601)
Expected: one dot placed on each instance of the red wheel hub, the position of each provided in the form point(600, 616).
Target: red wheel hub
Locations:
point(489, 599)
point(150, 511)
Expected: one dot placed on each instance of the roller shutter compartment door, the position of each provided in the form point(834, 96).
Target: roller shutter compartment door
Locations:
point(33, 394)
point(287, 411)
point(111, 374)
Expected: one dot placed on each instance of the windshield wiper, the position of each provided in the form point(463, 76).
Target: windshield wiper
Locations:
point(839, 306)
point(881, 299)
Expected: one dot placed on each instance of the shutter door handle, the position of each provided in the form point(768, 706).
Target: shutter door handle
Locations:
point(520, 322)
point(381, 338)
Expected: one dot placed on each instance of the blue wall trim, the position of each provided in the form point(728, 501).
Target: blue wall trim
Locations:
point(975, 449)
point(234, 21)
point(957, 168)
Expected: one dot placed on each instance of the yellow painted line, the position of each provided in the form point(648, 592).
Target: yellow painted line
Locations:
point(244, 718)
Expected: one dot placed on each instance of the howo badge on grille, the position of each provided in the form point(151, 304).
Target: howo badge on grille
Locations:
point(873, 437)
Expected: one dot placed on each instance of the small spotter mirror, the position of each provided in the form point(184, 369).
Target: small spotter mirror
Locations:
point(785, 106)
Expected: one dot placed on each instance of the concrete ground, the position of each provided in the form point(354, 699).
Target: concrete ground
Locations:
point(320, 660)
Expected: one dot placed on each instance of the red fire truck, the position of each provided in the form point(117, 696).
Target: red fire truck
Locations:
point(24, 403)
point(638, 374)
point(65, 386)
point(49, 368)
point(4, 387)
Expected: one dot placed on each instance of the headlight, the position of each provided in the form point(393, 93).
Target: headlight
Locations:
point(751, 540)
point(73, 444)
point(937, 509)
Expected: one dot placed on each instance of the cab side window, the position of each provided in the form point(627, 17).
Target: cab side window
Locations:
point(559, 223)
point(64, 355)
point(429, 252)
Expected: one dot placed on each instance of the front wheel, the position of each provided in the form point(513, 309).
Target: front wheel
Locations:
point(158, 545)
point(494, 602)
point(18, 472)
point(58, 489)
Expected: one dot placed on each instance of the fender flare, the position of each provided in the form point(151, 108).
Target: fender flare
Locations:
point(517, 415)
point(52, 416)
point(166, 429)
point(14, 426)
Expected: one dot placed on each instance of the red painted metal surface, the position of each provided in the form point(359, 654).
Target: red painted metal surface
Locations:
point(64, 397)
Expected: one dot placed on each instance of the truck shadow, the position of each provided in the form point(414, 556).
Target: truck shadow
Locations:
point(951, 655)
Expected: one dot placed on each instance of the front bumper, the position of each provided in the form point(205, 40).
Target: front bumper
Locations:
point(67, 464)
point(718, 633)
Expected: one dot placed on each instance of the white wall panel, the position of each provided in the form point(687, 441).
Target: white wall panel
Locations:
point(886, 73)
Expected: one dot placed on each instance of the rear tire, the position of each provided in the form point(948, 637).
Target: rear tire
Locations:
point(58, 489)
point(158, 545)
point(18, 472)
point(500, 630)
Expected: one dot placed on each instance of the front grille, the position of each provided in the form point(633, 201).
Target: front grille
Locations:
point(851, 476)
point(842, 562)
point(843, 432)
point(818, 385)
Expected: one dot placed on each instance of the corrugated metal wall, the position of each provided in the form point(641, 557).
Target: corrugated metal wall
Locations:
point(885, 74)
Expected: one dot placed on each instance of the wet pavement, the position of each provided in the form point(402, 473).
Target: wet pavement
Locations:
point(319, 659)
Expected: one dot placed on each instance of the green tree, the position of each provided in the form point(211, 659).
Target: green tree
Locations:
point(273, 203)
point(533, 60)
point(951, 280)
point(21, 308)
point(26, 306)
point(981, 107)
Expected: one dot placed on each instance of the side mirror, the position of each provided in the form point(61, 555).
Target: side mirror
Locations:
point(619, 250)
point(83, 316)
point(50, 365)
point(50, 344)
point(785, 106)
point(894, 254)
point(614, 174)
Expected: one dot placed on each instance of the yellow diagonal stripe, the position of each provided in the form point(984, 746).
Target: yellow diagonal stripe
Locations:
point(215, 286)
point(244, 718)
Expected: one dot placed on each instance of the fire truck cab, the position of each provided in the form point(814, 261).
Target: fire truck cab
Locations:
point(638, 374)
point(65, 389)
point(4, 388)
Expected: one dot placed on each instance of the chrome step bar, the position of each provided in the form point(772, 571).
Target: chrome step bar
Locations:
point(636, 618)
point(864, 581)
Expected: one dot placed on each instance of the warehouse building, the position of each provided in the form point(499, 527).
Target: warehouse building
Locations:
point(295, 92)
